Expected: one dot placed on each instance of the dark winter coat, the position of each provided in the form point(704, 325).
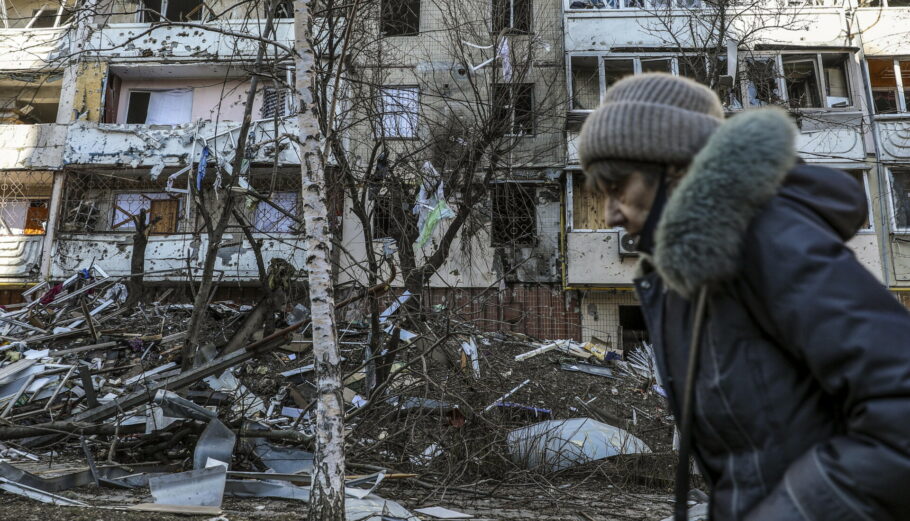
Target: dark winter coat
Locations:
point(802, 401)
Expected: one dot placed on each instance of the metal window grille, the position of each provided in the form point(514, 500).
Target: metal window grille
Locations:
point(514, 215)
point(24, 202)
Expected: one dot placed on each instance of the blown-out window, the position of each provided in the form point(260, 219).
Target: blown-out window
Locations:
point(514, 215)
point(890, 81)
point(399, 17)
point(513, 105)
point(900, 199)
point(512, 16)
point(400, 108)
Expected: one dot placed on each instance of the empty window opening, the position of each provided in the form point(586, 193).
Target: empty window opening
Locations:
point(695, 67)
point(615, 70)
point(384, 226)
point(49, 17)
point(585, 82)
point(632, 328)
point(162, 209)
point(166, 107)
point(513, 106)
point(28, 103)
point(900, 198)
point(514, 215)
point(887, 86)
point(268, 218)
point(173, 10)
point(513, 16)
point(657, 65)
point(837, 89)
point(801, 75)
point(285, 9)
point(400, 17)
point(400, 108)
point(761, 82)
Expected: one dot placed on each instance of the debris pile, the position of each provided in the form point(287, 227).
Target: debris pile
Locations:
point(99, 387)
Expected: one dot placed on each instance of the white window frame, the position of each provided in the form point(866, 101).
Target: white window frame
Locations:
point(902, 100)
point(511, 25)
point(203, 16)
point(385, 112)
point(636, 59)
point(781, 81)
point(570, 207)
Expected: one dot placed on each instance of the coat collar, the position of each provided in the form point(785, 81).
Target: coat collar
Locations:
point(700, 235)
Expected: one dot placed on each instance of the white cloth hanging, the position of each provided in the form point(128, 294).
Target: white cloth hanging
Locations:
point(170, 107)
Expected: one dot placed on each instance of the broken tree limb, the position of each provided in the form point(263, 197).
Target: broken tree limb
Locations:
point(77, 428)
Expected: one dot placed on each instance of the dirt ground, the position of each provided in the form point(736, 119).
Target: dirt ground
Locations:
point(569, 501)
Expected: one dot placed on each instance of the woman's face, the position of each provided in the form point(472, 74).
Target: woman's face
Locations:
point(628, 203)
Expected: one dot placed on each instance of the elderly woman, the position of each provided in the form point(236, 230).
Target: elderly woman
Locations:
point(786, 362)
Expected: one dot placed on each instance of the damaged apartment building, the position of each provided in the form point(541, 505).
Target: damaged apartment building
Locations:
point(129, 107)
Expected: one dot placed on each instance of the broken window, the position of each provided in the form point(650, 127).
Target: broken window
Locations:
point(617, 69)
point(513, 105)
point(761, 82)
point(585, 82)
point(513, 16)
point(23, 216)
point(268, 218)
point(49, 16)
point(400, 110)
point(657, 65)
point(887, 85)
point(165, 107)
point(383, 218)
point(900, 198)
point(30, 100)
point(274, 103)
point(801, 77)
point(694, 67)
point(173, 10)
point(837, 90)
point(588, 208)
point(632, 329)
point(514, 215)
point(285, 9)
point(161, 208)
point(400, 17)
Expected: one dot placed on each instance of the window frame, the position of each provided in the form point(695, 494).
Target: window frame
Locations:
point(524, 188)
point(781, 81)
point(533, 117)
point(283, 220)
point(383, 133)
point(570, 206)
point(126, 225)
point(141, 13)
point(383, 23)
point(642, 5)
point(510, 27)
point(899, 86)
point(891, 207)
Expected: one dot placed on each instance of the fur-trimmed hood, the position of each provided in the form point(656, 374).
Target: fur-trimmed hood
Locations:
point(699, 239)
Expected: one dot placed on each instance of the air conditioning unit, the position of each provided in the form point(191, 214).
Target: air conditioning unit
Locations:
point(628, 245)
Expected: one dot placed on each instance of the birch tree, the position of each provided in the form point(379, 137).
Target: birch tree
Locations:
point(327, 498)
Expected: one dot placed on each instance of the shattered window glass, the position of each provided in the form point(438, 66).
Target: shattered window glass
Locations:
point(512, 16)
point(513, 103)
point(801, 77)
point(514, 215)
point(761, 82)
point(884, 85)
point(837, 90)
point(615, 70)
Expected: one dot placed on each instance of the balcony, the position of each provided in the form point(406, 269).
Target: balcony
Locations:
point(30, 49)
point(160, 146)
point(894, 133)
point(167, 256)
point(217, 40)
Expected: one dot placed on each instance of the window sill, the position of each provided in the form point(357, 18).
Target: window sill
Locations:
point(895, 116)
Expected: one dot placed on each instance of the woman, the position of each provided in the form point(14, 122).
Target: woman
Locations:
point(799, 382)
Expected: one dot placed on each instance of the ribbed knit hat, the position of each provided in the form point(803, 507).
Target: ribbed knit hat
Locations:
point(651, 117)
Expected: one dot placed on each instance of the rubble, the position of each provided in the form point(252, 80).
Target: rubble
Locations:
point(96, 386)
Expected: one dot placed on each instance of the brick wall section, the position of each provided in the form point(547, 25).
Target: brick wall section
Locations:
point(539, 311)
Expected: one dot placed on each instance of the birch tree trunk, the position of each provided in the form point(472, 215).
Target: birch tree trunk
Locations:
point(327, 497)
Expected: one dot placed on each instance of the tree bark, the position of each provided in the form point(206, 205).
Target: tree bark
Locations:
point(327, 500)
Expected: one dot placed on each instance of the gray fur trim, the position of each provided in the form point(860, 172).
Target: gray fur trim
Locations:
point(700, 236)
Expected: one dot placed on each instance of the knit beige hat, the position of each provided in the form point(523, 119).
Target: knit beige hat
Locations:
point(651, 117)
